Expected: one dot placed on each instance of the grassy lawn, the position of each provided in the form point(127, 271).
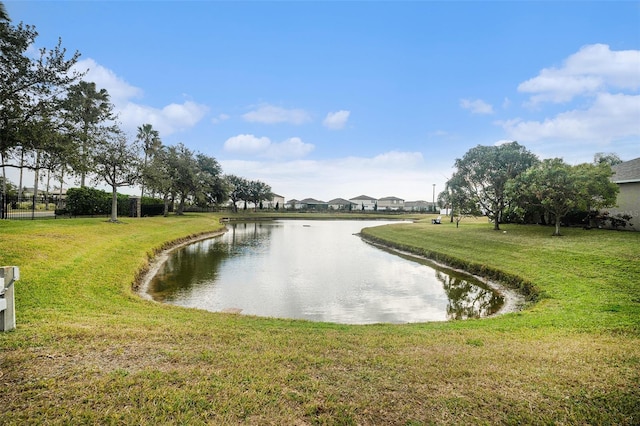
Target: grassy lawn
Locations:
point(88, 350)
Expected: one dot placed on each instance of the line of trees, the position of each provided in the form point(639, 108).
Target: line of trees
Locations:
point(509, 183)
point(56, 124)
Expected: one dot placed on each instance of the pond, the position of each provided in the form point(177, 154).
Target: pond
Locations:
point(318, 270)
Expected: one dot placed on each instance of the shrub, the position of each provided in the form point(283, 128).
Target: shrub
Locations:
point(88, 202)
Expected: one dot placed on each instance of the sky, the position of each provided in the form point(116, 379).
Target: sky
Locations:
point(328, 99)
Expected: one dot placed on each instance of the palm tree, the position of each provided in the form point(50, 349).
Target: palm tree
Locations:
point(151, 142)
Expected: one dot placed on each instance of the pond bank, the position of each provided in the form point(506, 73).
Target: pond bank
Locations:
point(141, 284)
point(514, 301)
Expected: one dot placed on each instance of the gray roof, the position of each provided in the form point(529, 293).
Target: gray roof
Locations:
point(390, 199)
point(363, 197)
point(340, 201)
point(626, 172)
point(311, 201)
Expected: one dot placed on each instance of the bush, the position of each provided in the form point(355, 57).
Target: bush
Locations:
point(88, 202)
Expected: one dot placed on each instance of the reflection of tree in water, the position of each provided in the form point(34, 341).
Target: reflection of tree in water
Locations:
point(200, 262)
point(467, 300)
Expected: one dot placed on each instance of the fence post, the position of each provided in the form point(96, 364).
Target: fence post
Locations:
point(8, 275)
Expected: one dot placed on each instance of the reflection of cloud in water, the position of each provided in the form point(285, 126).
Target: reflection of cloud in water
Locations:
point(315, 270)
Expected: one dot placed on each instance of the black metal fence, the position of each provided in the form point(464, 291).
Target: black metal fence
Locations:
point(28, 207)
point(52, 207)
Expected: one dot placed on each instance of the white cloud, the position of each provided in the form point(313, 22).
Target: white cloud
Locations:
point(336, 120)
point(220, 118)
point(476, 106)
point(594, 68)
point(610, 117)
point(270, 114)
point(246, 144)
point(167, 120)
point(263, 147)
point(290, 148)
point(119, 90)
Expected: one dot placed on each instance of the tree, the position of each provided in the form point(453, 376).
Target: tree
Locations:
point(483, 172)
point(184, 173)
point(596, 190)
point(559, 188)
point(462, 202)
point(238, 189)
point(553, 185)
point(89, 113)
point(609, 158)
point(212, 189)
point(258, 192)
point(117, 164)
point(158, 175)
point(151, 143)
point(29, 85)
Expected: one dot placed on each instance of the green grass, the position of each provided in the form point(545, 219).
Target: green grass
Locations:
point(88, 350)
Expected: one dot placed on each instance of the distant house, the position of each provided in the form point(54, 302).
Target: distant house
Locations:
point(418, 206)
point(341, 204)
point(291, 204)
point(276, 200)
point(364, 202)
point(390, 203)
point(311, 204)
point(627, 176)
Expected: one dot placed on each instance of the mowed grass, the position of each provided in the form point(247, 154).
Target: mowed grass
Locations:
point(88, 350)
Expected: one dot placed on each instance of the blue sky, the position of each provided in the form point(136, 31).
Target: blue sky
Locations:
point(338, 99)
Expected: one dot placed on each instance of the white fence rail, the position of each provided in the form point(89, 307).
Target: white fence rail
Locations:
point(8, 276)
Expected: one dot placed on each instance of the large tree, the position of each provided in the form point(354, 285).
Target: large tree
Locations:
point(151, 143)
point(212, 188)
point(30, 85)
point(117, 163)
point(158, 175)
point(238, 189)
point(184, 173)
point(259, 192)
point(483, 172)
point(558, 188)
point(89, 113)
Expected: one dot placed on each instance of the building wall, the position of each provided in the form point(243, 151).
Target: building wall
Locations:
point(390, 204)
point(629, 203)
point(368, 204)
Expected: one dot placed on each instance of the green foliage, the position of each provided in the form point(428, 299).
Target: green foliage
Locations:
point(88, 202)
point(482, 175)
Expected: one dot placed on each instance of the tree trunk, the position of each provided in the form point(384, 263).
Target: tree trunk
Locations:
point(114, 204)
point(36, 179)
point(165, 213)
point(557, 231)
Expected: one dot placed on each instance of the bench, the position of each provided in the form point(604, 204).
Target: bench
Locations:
point(8, 275)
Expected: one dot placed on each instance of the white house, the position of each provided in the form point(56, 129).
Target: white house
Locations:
point(341, 204)
point(418, 206)
point(364, 202)
point(276, 200)
point(390, 203)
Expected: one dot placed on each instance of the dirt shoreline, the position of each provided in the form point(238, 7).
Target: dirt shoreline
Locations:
point(141, 285)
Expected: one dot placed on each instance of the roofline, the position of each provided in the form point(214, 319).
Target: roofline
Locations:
point(626, 181)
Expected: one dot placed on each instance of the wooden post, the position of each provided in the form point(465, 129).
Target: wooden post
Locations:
point(8, 275)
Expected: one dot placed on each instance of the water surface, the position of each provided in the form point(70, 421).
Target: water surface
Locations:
point(316, 270)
